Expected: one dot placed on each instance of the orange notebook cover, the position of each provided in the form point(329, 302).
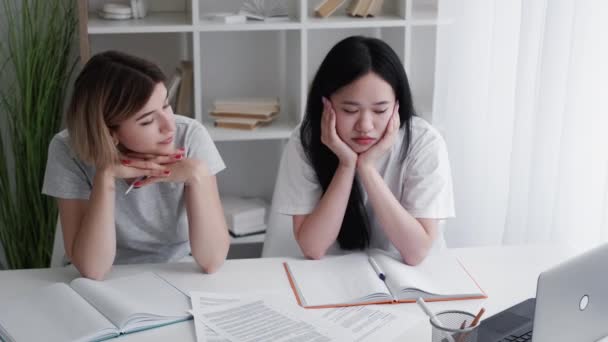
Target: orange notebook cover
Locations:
point(378, 278)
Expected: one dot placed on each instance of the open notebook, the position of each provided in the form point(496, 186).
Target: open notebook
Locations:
point(89, 310)
point(354, 279)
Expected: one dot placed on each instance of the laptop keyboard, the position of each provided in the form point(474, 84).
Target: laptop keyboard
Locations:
point(514, 338)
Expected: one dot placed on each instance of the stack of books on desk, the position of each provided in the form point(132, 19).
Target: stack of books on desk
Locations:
point(244, 216)
point(245, 113)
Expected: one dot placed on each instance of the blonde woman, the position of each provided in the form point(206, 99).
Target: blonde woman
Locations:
point(122, 133)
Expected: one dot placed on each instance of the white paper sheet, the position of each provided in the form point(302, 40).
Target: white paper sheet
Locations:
point(371, 322)
point(270, 319)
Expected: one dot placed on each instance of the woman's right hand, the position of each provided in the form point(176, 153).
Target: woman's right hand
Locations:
point(331, 139)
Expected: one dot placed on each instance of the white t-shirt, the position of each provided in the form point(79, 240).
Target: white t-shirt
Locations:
point(422, 182)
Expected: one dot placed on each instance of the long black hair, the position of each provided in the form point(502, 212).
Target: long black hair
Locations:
point(346, 62)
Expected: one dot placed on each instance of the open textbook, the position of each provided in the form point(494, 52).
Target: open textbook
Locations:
point(89, 310)
point(376, 278)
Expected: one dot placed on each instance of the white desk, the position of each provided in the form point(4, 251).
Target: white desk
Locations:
point(507, 274)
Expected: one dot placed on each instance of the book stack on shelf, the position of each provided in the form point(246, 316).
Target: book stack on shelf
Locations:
point(244, 113)
point(356, 8)
point(244, 216)
point(265, 10)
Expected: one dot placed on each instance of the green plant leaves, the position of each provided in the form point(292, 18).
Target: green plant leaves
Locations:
point(37, 61)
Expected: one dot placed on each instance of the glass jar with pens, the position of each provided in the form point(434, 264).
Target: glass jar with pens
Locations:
point(453, 325)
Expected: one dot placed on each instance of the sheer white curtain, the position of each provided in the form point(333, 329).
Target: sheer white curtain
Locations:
point(521, 96)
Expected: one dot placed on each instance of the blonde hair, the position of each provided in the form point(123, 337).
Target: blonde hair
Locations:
point(111, 87)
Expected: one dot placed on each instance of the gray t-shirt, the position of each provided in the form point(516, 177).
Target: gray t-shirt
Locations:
point(151, 222)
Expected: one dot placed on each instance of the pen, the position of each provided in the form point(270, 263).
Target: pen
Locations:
point(376, 268)
point(432, 315)
point(476, 320)
point(478, 317)
point(138, 179)
point(462, 336)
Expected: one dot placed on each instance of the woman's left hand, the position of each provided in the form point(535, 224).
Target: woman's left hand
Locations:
point(370, 156)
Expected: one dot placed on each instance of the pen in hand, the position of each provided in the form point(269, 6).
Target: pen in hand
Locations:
point(138, 179)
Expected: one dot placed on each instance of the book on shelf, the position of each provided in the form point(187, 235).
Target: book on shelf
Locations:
point(265, 10)
point(240, 123)
point(244, 216)
point(89, 310)
point(377, 277)
point(328, 7)
point(357, 8)
point(173, 87)
point(352, 7)
point(226, 17)
point(365, 8)
point(139, 8)
point(244, 113)
point(184, 102)
point(376, 8)
point(248, 102)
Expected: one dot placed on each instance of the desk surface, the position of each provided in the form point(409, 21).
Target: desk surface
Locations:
point(507, 274)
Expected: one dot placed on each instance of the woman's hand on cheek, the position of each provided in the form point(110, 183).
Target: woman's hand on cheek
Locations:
point(370, 156)
point(330, 138)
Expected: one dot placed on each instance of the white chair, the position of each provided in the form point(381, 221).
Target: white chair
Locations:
point(279, 241)
point(58, 258)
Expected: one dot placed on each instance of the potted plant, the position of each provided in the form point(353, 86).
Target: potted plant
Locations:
point(36, 64)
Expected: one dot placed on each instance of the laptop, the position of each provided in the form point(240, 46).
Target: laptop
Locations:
point(571, 304)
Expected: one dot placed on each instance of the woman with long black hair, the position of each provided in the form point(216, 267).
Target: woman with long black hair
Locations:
point(363, 170)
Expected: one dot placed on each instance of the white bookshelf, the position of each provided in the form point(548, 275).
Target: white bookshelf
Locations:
point(265, 59)
point(153, 23)
point(277, 130)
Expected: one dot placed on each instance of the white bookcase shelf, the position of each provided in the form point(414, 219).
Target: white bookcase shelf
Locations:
point(274, 131)
point(346, 22)
point(262, 59)
point(210, 26)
